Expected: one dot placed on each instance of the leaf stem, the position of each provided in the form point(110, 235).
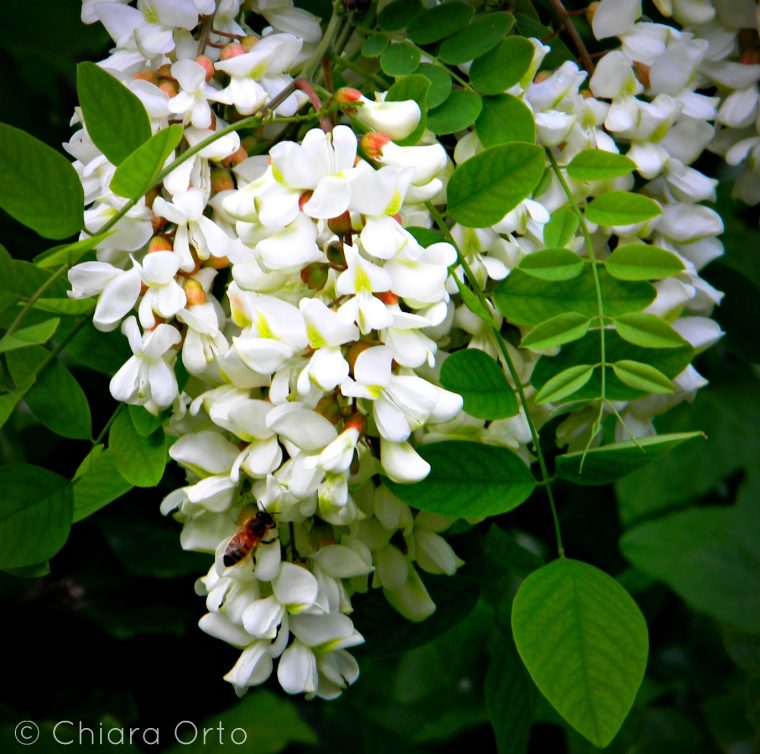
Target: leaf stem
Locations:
point(34, 298)
point(546, 478)
point(597, 426)
point(567, 24)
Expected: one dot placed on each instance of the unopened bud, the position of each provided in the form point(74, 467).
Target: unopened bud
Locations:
point(169, 87)
point(249, 143)
point(218, 263)
point(347, 95)
point(207, 64)
point(304, 198)
point(591, 11)
point(238, 156)
point(358, 422)
point(157, 223)
point(232, 50)
point(248, 42)
point(750, 56)
point(159, 243)
point(150, 196)
point(340, 225)
point(165, 71)
point(354, 351)
point(315, 275)
point(221, 180)
point(541, 76)
point(194, 292)
point(146, 75)
point(372, 144)
point(335, 254)
point(329, 407)
point(388, 297)
point(642, 71)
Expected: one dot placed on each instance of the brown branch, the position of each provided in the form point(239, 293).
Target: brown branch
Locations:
point(567, 24)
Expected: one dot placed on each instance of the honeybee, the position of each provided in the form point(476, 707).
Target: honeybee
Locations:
point(252, 528)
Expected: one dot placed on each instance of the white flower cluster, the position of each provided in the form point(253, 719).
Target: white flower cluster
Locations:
point(302, 373)
point(312, 324)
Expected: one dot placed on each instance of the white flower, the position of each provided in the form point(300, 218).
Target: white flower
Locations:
point(147, 378)
point(192, 100)
point(118, 289)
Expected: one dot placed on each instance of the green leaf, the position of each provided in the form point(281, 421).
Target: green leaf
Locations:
point(440, 83)
point(415, 88)
point(374, 45)
point(598, 165)
point(642, 262)
point(7, 271)
point(505, 119)
point(561, 229)
point(138, 172)
point(473, 303)
point(40, 188)
point(70, 253)
point(97, 483)
point(270, 722)
point(564, 328)
point(553, 264)
point(71, 307)
point(468, 479)
point(565, 383)
point(704, 555)
point(399, 59)
point(29, 336)
point(525, 299)
point(116, 119)
point(9, 401)
point(460, 110)
point(606, 464)
point(642, 377)
point(56, 399)
point(35, 514)
point(484, 33)
point(481, 383)
point(502, 67)
point(398, 15)
point(584, 642)
point(670, 361)
point(105, 352)
point(140, 460)
point(622, 208)
point(424, 236)
point(510, 698)
point(487, 186)
point(143, 421)
point(647, 331)
point(439, 22)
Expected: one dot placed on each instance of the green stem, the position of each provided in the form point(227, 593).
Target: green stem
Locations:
point(108, 424)
point(59, 348)
point(597, 286)
point(34, 298)
point(546, 479)
point(331, 32)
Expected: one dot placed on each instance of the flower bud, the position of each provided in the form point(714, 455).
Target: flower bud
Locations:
point(372, 144)
point(335, 255)
point(159, 243)
point(641, 71)
point(232, 50)
point(238, 156)
point(354, 351)
point(387, 297)
point(304, 198)
point(165, 71)
point(591, 11)
point(249, 143)
point(217, 263)
point(340, 225)
point(315, 275)
point(207, 64)
point(347, 95)
point(248, 42)
point(329, 407)
point(146, 75)
point(169, 87)
point(194, 292)
point(358, 422)
point(221, 180)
